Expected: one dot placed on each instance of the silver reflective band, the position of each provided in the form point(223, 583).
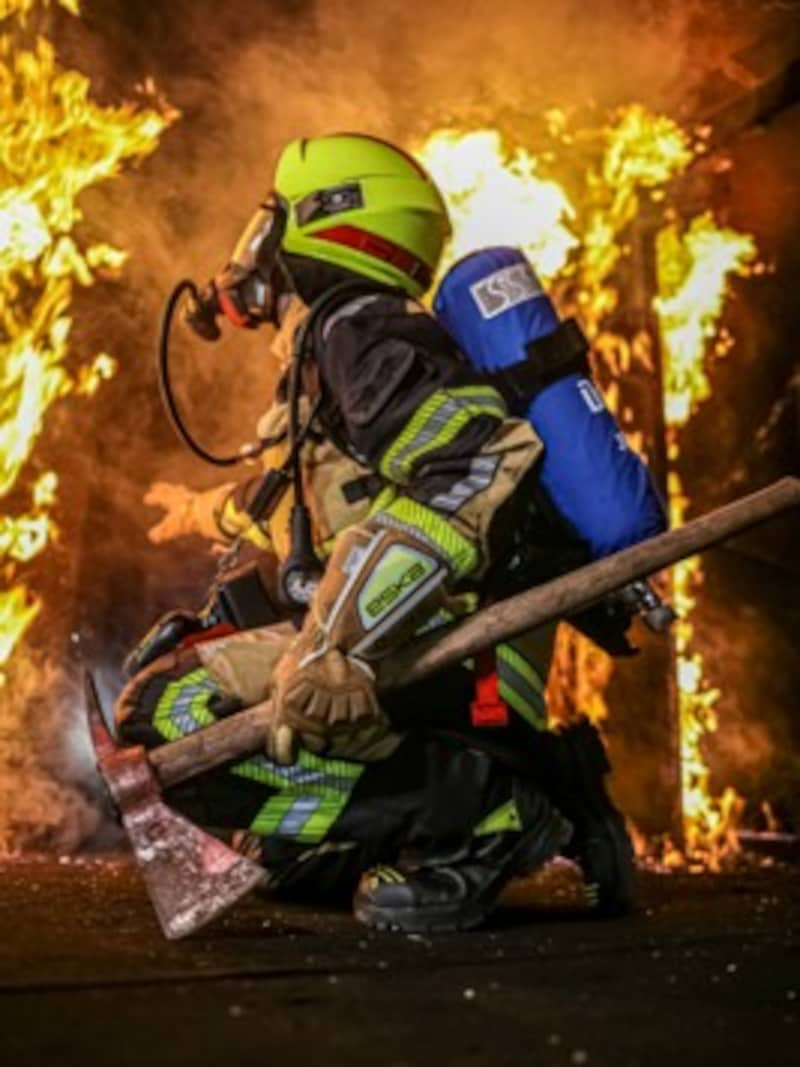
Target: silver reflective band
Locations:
point(481, 474)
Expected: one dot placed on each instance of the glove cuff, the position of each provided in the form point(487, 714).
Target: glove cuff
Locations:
point(380, 585)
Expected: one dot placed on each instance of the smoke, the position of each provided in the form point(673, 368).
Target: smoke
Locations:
point(250, 78)
point(49, 793)
point(247, 78)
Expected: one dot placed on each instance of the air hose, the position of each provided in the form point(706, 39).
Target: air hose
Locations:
point(186, 285)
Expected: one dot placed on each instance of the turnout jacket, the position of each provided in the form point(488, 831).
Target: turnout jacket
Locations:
point(407, 435)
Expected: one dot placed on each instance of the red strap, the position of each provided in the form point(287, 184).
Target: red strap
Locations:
point(231, 311)
point(488, 709)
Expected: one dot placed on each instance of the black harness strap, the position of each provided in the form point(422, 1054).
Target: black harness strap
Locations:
point(560, 353)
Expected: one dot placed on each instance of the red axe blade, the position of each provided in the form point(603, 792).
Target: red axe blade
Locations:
point(190, 876)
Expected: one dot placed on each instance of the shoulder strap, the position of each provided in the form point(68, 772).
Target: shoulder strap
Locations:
point(560, 353)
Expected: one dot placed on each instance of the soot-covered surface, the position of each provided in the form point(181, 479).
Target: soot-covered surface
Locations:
point(706, 972)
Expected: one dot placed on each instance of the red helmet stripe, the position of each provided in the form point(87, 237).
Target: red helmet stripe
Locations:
point(380, 248)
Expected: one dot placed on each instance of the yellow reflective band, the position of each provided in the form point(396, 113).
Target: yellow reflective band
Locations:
point(521, 686)
point(504, 818)
point(312, 794)
point(436, 423)
point(517, 662)
point(233, 522)
point(461, 554)
point(305, 818)
point(183, 706)
point(388, 874)
point(533, 714)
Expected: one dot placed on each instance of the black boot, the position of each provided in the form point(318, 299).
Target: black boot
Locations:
point(458, 892)
point(572, 767)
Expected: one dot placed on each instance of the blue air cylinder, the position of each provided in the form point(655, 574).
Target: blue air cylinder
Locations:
point(495, 308)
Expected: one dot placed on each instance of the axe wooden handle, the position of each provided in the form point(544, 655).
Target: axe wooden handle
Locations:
point(243, 734)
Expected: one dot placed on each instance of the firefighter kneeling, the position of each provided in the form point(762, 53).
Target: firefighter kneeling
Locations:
point(421, 491)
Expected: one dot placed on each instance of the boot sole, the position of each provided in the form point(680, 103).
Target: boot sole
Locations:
point(523, 859)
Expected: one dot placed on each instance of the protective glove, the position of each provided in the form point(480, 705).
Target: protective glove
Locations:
point(186, 512)
point(325, 702)
point(380, 584)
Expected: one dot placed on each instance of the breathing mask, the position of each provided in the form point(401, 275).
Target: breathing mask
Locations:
point(244, 291)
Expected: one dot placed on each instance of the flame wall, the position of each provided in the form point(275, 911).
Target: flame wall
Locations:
point(247, 77)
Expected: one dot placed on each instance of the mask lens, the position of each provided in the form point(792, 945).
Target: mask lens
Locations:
point(246, 254)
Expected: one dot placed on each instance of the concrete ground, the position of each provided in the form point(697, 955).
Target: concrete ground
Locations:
point(706, 972)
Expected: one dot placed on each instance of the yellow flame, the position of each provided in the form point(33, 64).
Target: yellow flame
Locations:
point(17, 612)
point(502, 194)
point(641, 151)
point(54, 143)
point(496, 196)
point(22, 8)
point(693, 269)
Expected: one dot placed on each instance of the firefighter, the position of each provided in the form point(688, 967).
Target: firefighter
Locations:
point(415, 476)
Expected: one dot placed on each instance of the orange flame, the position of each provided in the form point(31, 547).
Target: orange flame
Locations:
point(693, 267)
point(54, 143)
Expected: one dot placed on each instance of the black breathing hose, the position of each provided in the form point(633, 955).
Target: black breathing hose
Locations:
point(186, 285)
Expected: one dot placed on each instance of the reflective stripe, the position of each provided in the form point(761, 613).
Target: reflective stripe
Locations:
point(233, 522)
point(507, 653)
point(183, 706)
point(436, 423)
point(504, 818)
point(313, 773)
point(481, 473)
point(531, 711)
point(313, 793)
point(387, 874)
point(352, 307)
point(521, 687)
point(420, 521)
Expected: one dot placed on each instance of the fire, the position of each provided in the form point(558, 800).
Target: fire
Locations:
point(479, 174)
point(55, 141)
point(499, 193)
point(21, 8)
point(640, 152)
point(693, 268)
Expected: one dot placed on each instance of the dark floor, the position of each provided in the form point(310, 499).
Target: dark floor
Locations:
point(707, 972)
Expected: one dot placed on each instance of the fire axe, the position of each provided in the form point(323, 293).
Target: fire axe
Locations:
point(192, 876)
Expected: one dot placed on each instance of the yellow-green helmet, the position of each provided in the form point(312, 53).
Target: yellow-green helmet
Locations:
point(360, 203)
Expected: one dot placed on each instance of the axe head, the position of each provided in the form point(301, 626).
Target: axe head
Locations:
point(190, 876)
